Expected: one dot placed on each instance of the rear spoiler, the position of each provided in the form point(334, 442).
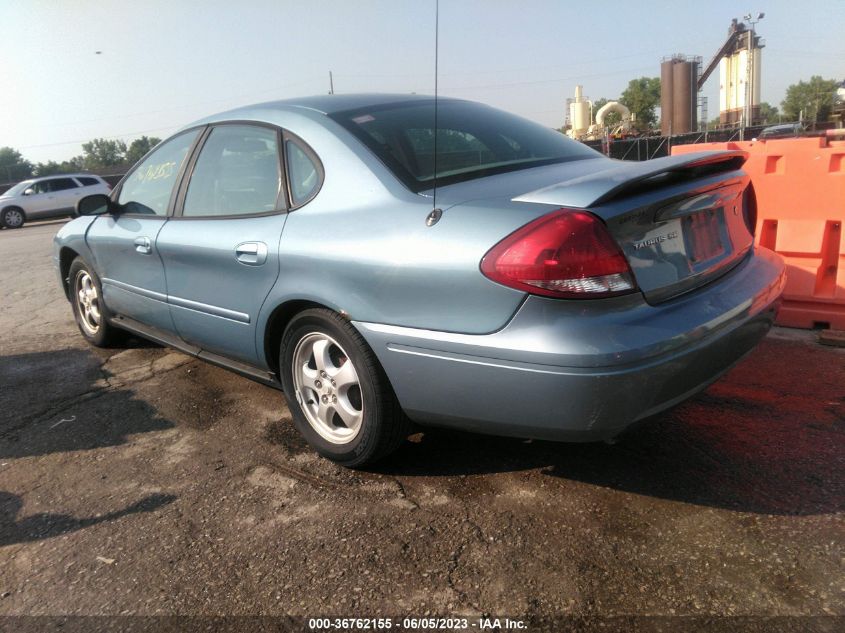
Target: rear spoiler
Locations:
point(631, 177)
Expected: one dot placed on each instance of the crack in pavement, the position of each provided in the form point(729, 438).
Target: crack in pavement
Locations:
point(403, 493)
point(300, 475)
point(112, 383)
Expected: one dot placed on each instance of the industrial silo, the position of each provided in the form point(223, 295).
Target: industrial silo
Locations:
point(579, 114)
point(684, 101)
point(678, 95)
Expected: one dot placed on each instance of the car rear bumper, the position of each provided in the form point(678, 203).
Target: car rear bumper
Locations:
point(581, 370)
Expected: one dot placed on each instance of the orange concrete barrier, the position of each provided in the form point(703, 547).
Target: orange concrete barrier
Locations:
point(800, 187)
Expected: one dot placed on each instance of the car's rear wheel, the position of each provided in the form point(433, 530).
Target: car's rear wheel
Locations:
point(338, 394)
point(88, 308)
point(12, 218)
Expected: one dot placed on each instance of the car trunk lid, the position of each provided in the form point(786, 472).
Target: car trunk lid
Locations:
point(681, 221)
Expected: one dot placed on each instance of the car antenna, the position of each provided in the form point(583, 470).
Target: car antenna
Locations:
point(436, 213)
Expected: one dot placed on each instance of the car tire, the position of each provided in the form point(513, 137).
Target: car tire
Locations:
point(12, 218)
point(338, 394)
point(89, 310)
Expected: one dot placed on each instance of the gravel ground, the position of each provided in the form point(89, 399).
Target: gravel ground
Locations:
point(141, 482)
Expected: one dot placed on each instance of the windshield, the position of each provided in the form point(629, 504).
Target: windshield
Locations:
point(19, 188)
point(473, 141)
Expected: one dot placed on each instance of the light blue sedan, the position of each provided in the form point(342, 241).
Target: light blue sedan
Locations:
point(495, 276)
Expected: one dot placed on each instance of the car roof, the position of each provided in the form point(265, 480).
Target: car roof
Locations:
point(782, 126)
point(77, 175)
point(322, 104)
point(330, 104)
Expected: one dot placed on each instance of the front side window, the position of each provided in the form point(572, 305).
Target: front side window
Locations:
point(238, 172)
point(41, 187)
point(473, 141)
point(303, 173)
point(147, 189)
point(19, 188)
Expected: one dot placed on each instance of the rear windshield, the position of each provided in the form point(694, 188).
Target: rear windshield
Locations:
point(473, 141)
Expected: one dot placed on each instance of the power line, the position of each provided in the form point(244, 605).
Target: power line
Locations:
point(499, 71)
point(561, 79)
point(113, 136)
point(543, 81)
point(178, 107)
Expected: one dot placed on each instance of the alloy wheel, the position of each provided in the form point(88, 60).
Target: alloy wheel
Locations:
point(327, 388)
point(88, 302)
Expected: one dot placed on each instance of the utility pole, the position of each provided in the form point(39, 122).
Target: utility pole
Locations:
point(750, 79)
point(331, 83)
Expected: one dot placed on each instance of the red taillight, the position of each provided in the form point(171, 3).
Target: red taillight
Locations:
point(566, 254)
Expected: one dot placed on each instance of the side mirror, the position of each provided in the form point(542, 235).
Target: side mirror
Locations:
point(29, 192)
point(96, 204)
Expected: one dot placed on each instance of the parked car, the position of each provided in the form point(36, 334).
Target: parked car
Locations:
point(539, 290)
point(49, 197)
point(784, 130)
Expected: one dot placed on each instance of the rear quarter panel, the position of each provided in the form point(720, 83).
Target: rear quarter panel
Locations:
point(379, 262)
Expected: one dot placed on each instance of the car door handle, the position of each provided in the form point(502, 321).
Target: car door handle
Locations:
point(143, 245)
point(251, 253)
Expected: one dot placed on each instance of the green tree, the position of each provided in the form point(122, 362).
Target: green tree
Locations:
point(77, 163)
point(51, 167)
point(139, 147)
point(102, 152)
point(47, 169)
point(813, 99)
point(642, 96)
point(13, 166)
point(769, 114)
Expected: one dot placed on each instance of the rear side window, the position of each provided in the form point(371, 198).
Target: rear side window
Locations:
point(147, 189)
point(238, 172)
point(473, 141)
point(87, 181)
point(303, 173)
point(60, 184)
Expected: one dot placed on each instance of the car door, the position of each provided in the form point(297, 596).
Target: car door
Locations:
point(38, 199)
point(62, 196)
point(124, 245)
point(221, 249)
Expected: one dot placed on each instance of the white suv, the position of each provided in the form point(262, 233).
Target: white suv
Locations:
point(47, 197)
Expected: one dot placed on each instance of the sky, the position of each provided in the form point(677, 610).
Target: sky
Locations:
point(163, 64)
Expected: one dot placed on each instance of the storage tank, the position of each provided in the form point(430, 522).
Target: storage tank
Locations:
point(684, 97)
point(666, 93)
point(579, 114)
point(679, 95)
point(736, 68)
